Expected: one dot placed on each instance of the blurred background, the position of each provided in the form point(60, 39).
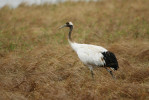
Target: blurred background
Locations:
point(37, 63)
point(16, 3)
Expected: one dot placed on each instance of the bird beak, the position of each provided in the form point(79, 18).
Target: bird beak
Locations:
point(62, 26)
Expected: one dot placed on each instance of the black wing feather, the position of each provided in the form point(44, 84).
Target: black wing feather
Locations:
point(110, 60)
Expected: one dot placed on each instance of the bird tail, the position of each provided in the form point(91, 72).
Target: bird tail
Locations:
point(111, 60)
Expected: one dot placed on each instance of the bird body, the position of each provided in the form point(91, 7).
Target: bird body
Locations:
point(92, 55)
point(89, 54)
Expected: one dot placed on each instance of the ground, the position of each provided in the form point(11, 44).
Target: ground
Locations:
point(37, 63)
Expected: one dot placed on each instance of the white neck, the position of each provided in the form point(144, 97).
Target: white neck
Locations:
point(73, 45)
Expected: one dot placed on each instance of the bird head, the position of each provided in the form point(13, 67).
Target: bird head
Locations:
point(68, 24)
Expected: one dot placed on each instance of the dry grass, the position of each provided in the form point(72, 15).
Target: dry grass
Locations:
point(36, 62)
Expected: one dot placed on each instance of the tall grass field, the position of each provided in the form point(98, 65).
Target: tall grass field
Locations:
point(37, 63)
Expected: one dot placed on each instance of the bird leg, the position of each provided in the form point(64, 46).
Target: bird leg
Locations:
point(92, 73)
point(91, 69)
point(110, 73)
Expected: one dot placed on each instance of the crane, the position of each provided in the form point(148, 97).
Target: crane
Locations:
point(92, 55)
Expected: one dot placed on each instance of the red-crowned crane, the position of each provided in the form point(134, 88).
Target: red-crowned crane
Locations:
point(92, 55)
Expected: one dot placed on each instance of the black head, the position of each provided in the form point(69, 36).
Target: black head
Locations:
point(68, 24)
